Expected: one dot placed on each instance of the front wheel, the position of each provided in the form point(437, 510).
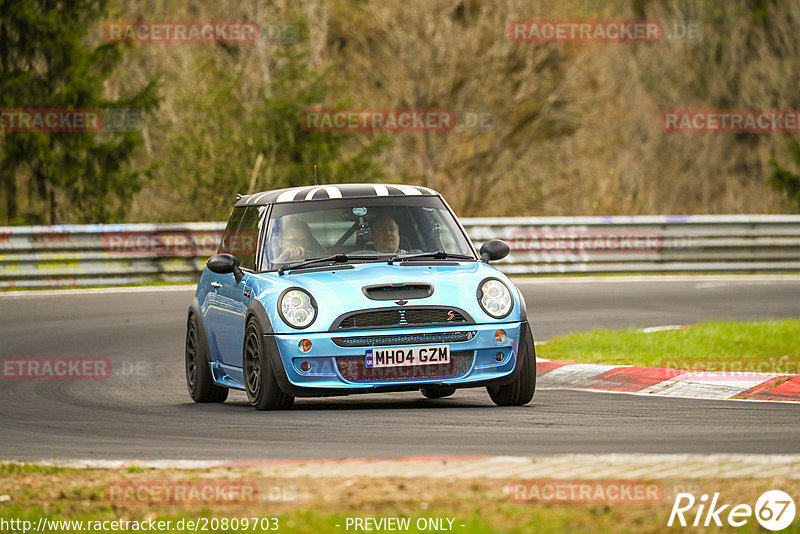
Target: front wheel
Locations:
point(521, 390)
point(198, 373)
point(261, 385)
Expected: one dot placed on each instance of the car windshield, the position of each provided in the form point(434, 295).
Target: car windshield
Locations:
point(361, 228)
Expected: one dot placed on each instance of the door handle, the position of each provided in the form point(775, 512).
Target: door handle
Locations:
point(216, 285)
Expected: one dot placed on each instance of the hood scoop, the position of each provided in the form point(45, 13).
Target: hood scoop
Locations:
point(400, 291)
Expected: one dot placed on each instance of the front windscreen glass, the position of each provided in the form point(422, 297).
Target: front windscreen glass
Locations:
point(361, 227)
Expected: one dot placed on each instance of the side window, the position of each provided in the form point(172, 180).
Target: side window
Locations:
point(241, 235)
point(227, 243)
point(247, 237)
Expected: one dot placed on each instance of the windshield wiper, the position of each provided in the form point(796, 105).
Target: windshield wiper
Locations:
point(436, 255)
point(337, 258)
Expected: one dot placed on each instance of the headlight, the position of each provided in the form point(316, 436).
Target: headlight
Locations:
point(495, 298)
point(297, 308)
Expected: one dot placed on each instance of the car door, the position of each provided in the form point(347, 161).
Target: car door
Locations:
point(216, 304)
point(234, 298)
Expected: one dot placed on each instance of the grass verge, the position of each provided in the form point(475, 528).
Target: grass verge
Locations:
point(324, 504)
point(766, 346)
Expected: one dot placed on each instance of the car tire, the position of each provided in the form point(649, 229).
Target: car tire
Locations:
point(520, 391)
point(198, 373)
point(437, 392)
point(260, 383)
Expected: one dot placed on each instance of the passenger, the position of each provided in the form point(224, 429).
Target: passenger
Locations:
point(386, 235)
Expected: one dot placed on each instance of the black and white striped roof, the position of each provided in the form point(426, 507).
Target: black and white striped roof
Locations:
point(325, 192)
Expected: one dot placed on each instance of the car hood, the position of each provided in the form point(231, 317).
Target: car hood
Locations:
point(337, 292)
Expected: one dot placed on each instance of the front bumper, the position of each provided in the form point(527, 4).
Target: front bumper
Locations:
point(336, 364)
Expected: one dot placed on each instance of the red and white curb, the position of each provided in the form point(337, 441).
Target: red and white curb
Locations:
point(560, 466)
point(554, 374)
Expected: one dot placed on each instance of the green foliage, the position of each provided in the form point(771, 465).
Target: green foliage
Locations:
point(231, 144)
point(45, 62)
point(784, 180)
point(294, 89)
point(574, 127)
point(13, 468)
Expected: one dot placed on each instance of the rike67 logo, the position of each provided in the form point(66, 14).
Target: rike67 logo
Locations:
point(774, 510)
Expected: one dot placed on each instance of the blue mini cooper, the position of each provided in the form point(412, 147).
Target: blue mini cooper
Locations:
point(356, 288)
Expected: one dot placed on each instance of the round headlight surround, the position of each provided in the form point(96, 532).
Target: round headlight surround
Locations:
point(492, 297)
point(301, 303)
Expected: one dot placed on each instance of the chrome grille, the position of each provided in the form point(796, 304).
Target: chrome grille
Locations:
point(408, 316)
point(405, 339)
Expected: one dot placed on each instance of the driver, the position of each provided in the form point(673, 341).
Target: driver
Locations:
point(296, 242)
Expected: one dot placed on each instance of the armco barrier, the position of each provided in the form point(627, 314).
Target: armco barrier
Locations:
point(76, 255)
point(111, 254)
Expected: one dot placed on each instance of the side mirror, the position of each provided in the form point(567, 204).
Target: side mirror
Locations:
point(494, 249)
point(224, 264)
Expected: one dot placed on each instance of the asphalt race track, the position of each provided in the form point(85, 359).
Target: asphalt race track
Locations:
point(144, 412)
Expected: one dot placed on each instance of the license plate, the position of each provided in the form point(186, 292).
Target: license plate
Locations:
point(405, 356)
